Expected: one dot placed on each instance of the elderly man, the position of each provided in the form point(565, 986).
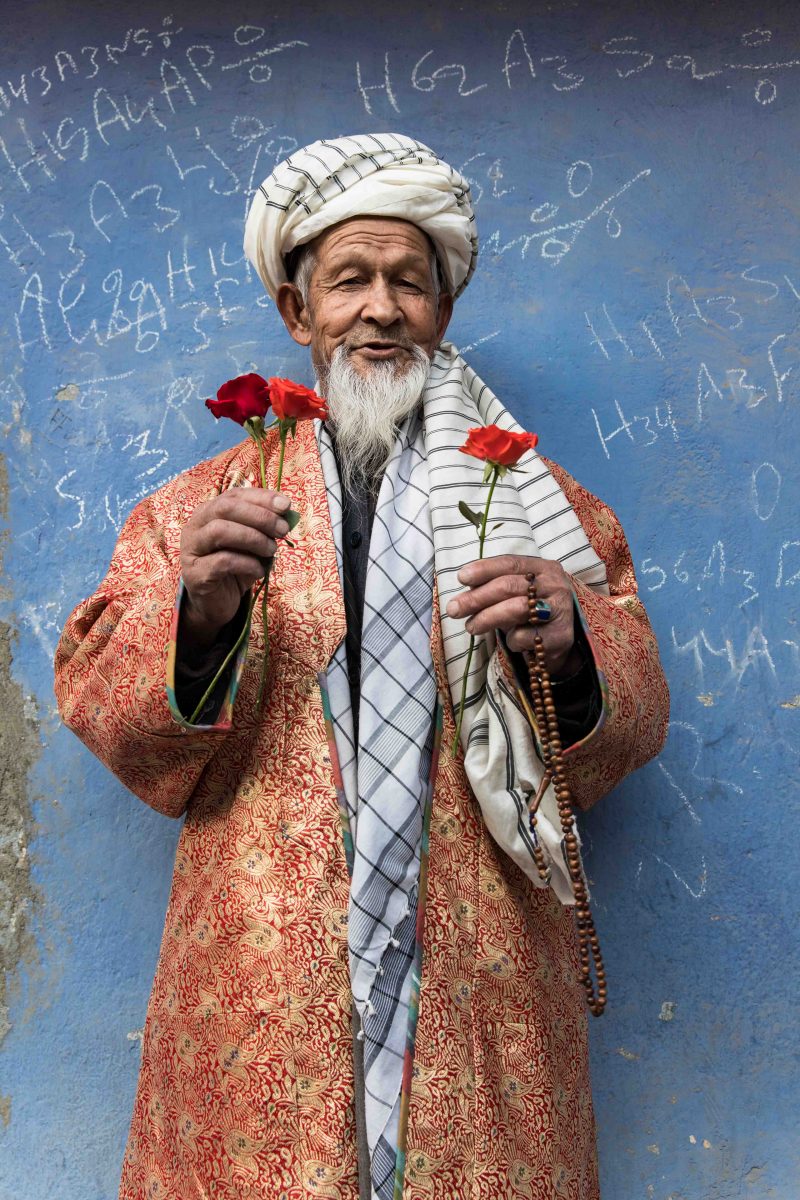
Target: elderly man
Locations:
point(369, 983)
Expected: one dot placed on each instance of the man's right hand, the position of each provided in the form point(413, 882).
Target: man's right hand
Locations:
point(225, 547)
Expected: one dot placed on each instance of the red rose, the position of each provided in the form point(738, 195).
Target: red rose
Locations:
point(293, 402)
point(241, 398)
point(497, 446)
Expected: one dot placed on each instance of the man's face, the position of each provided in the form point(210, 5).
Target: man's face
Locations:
point(371, 291)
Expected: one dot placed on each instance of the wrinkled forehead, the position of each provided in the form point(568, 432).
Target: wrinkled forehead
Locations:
point(366, 238)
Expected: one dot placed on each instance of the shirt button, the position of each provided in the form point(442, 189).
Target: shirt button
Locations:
point(355, 539)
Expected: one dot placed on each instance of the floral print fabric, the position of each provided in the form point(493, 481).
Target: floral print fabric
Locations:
point(246, 1084)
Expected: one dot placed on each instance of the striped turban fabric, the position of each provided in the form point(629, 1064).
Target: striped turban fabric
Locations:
point(367, 175)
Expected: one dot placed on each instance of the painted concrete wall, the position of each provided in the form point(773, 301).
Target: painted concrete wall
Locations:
point(637, 303)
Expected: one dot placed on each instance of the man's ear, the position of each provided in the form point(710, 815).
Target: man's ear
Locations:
point(296, 317)
point(444, 314)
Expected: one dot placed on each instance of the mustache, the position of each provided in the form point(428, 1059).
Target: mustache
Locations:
point(386, 337)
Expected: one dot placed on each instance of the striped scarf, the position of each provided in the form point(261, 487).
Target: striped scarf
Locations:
point(386, 785)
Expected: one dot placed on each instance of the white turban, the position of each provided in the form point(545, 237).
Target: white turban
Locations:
point(369, 175)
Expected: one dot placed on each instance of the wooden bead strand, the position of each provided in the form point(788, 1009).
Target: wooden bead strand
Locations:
point(544, 711)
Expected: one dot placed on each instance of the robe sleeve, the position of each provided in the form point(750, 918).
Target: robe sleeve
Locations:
point(114, 666)
point(633, 724)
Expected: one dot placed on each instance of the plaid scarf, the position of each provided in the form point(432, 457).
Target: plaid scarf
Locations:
point(386, 778)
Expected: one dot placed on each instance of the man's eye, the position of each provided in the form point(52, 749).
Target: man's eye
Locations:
point(352, 281)
point(409, 283)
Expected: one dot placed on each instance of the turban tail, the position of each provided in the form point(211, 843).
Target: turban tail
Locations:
point(370, 175)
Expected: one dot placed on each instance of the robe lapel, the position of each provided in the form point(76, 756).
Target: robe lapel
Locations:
point(305, 577)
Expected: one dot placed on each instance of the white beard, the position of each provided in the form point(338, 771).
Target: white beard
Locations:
point(367, 410)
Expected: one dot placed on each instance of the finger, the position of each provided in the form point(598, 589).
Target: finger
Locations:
point(481, 570)
point(220, 535)
point(556, 597)
point(556, 641)
point(522, 638)
point(507, 615)
point(216, 568)
point(505, 587)
point(557, 646)
point(512, 613)
point(278, 501)
point(250, 506)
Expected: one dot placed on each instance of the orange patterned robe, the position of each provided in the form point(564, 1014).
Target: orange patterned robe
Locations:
point(246, 1085)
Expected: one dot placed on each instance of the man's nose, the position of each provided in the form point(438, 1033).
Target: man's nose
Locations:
point(381, 305)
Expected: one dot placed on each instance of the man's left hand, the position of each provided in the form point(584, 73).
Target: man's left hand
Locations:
point(498, 599)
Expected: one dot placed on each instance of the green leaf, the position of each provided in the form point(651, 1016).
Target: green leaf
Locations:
point(291, 518)
point(473, 517)
point(497, 526)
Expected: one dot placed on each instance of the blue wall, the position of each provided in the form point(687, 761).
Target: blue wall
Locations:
point(636, 302)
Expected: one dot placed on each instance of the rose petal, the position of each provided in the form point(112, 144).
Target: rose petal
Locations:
point(241, 398)
point(292, 401)
point(498, 446)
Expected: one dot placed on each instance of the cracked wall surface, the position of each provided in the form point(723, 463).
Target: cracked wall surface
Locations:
point(19, 747)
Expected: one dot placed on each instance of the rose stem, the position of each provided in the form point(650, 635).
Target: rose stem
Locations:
point(263, 676)
point(481, 541)
point(234, 648)
point(283, 433)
